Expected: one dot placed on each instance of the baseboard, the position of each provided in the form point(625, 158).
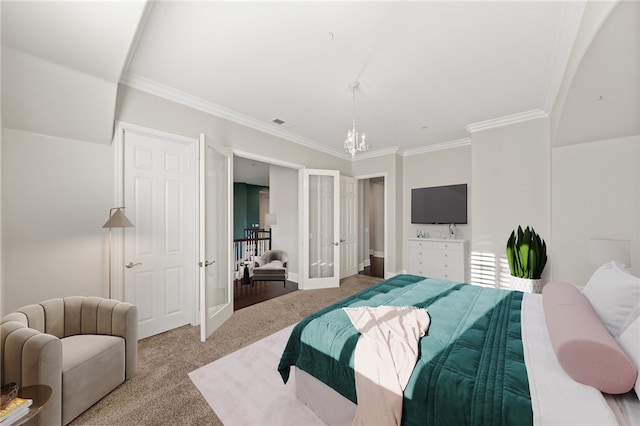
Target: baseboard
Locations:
point(293, 276)
point(378, 254)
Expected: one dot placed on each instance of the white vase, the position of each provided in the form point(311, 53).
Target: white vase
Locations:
point(526, 285)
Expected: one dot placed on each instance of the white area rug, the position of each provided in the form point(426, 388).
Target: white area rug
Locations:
point(245, 388)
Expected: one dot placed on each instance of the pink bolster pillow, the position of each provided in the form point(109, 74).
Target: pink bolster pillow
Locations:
point(583, 346)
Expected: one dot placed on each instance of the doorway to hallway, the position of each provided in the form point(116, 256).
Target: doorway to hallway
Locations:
point(375, 268)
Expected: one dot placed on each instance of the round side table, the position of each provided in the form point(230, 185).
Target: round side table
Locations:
point(40, 395)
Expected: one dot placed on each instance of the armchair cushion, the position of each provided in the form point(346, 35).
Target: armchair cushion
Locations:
point(81, 380)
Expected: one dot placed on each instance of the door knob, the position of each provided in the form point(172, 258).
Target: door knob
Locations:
point(206, 263)
point(131, 264)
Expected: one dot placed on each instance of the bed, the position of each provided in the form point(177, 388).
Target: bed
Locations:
point(486, 359)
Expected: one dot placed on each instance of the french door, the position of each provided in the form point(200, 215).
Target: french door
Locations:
point(320, 242)
point(216, 285)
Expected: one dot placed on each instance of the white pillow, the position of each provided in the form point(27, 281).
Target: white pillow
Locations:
point(629, 341)
point(615, 296)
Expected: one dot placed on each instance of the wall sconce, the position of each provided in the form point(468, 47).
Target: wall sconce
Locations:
point(603, 250)
point(117, 219)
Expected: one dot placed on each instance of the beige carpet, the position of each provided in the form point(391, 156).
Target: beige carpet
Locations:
point(267, 400)
point(161, 392)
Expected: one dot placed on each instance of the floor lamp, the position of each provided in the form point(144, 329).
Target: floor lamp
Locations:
point(117, 219)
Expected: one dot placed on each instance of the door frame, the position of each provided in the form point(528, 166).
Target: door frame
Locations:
point(293, 275)
point(118, 238)
point(386, 216)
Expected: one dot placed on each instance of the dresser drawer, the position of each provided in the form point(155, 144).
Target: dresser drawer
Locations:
point(440, 259)
point(419, 244)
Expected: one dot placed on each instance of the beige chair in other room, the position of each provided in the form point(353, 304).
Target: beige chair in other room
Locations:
point(271, 266)
point(82, 347)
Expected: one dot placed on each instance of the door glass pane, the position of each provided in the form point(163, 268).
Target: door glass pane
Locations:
point(216, 189)
point(321, 249)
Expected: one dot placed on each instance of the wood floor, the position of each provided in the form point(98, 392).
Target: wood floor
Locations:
point(376, 269)
point(246, 294)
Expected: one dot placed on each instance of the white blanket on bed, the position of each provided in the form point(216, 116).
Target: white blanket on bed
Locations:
point(384, 359)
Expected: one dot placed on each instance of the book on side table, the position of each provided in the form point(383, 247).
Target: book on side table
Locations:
point(17, 408)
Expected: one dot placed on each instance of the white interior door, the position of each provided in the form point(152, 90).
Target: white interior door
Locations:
point(320, 228)
point(216, 285)
point(160, 271)
point(348, 226)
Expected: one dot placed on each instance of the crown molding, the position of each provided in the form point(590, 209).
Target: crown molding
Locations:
point(437, 147)
point(506, 120)
point(171, 94)
point(376, 153)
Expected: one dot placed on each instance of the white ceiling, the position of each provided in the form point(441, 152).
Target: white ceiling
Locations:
point(426, 69)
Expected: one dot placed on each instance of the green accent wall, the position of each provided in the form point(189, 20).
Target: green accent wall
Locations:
point(246, 207)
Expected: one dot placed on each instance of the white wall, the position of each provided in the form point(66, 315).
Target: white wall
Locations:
point(596, 183)
point(376, 217)
point(283, 201)
point(1, 204)
point(596, 193)
point(510, 170)
point(56, 196)
point(436, 168)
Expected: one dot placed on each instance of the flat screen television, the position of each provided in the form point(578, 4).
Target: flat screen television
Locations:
point(439, 204)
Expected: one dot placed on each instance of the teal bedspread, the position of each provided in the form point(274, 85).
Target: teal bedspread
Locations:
point(471, 366)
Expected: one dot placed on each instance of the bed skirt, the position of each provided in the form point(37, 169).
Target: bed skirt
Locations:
point(330, 407)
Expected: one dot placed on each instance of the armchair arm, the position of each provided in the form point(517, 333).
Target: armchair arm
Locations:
point(30, 357)
point(120, 319)
point(125, 324)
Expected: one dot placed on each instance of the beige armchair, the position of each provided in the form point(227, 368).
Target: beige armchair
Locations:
point(82, 347)
point(271, 266)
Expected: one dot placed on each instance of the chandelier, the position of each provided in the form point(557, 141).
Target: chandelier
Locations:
point(354, 142)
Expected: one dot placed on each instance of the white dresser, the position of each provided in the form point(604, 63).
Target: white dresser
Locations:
point(437, 258)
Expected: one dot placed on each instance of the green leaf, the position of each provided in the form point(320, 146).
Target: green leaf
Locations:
point(533, 263)
point(511, 243)
point(524, 251)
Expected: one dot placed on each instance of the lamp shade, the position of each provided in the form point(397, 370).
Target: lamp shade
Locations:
point(603, 250)
point(270, 219)
point(118, 219)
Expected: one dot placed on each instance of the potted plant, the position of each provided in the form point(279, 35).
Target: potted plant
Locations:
point(527, 257)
